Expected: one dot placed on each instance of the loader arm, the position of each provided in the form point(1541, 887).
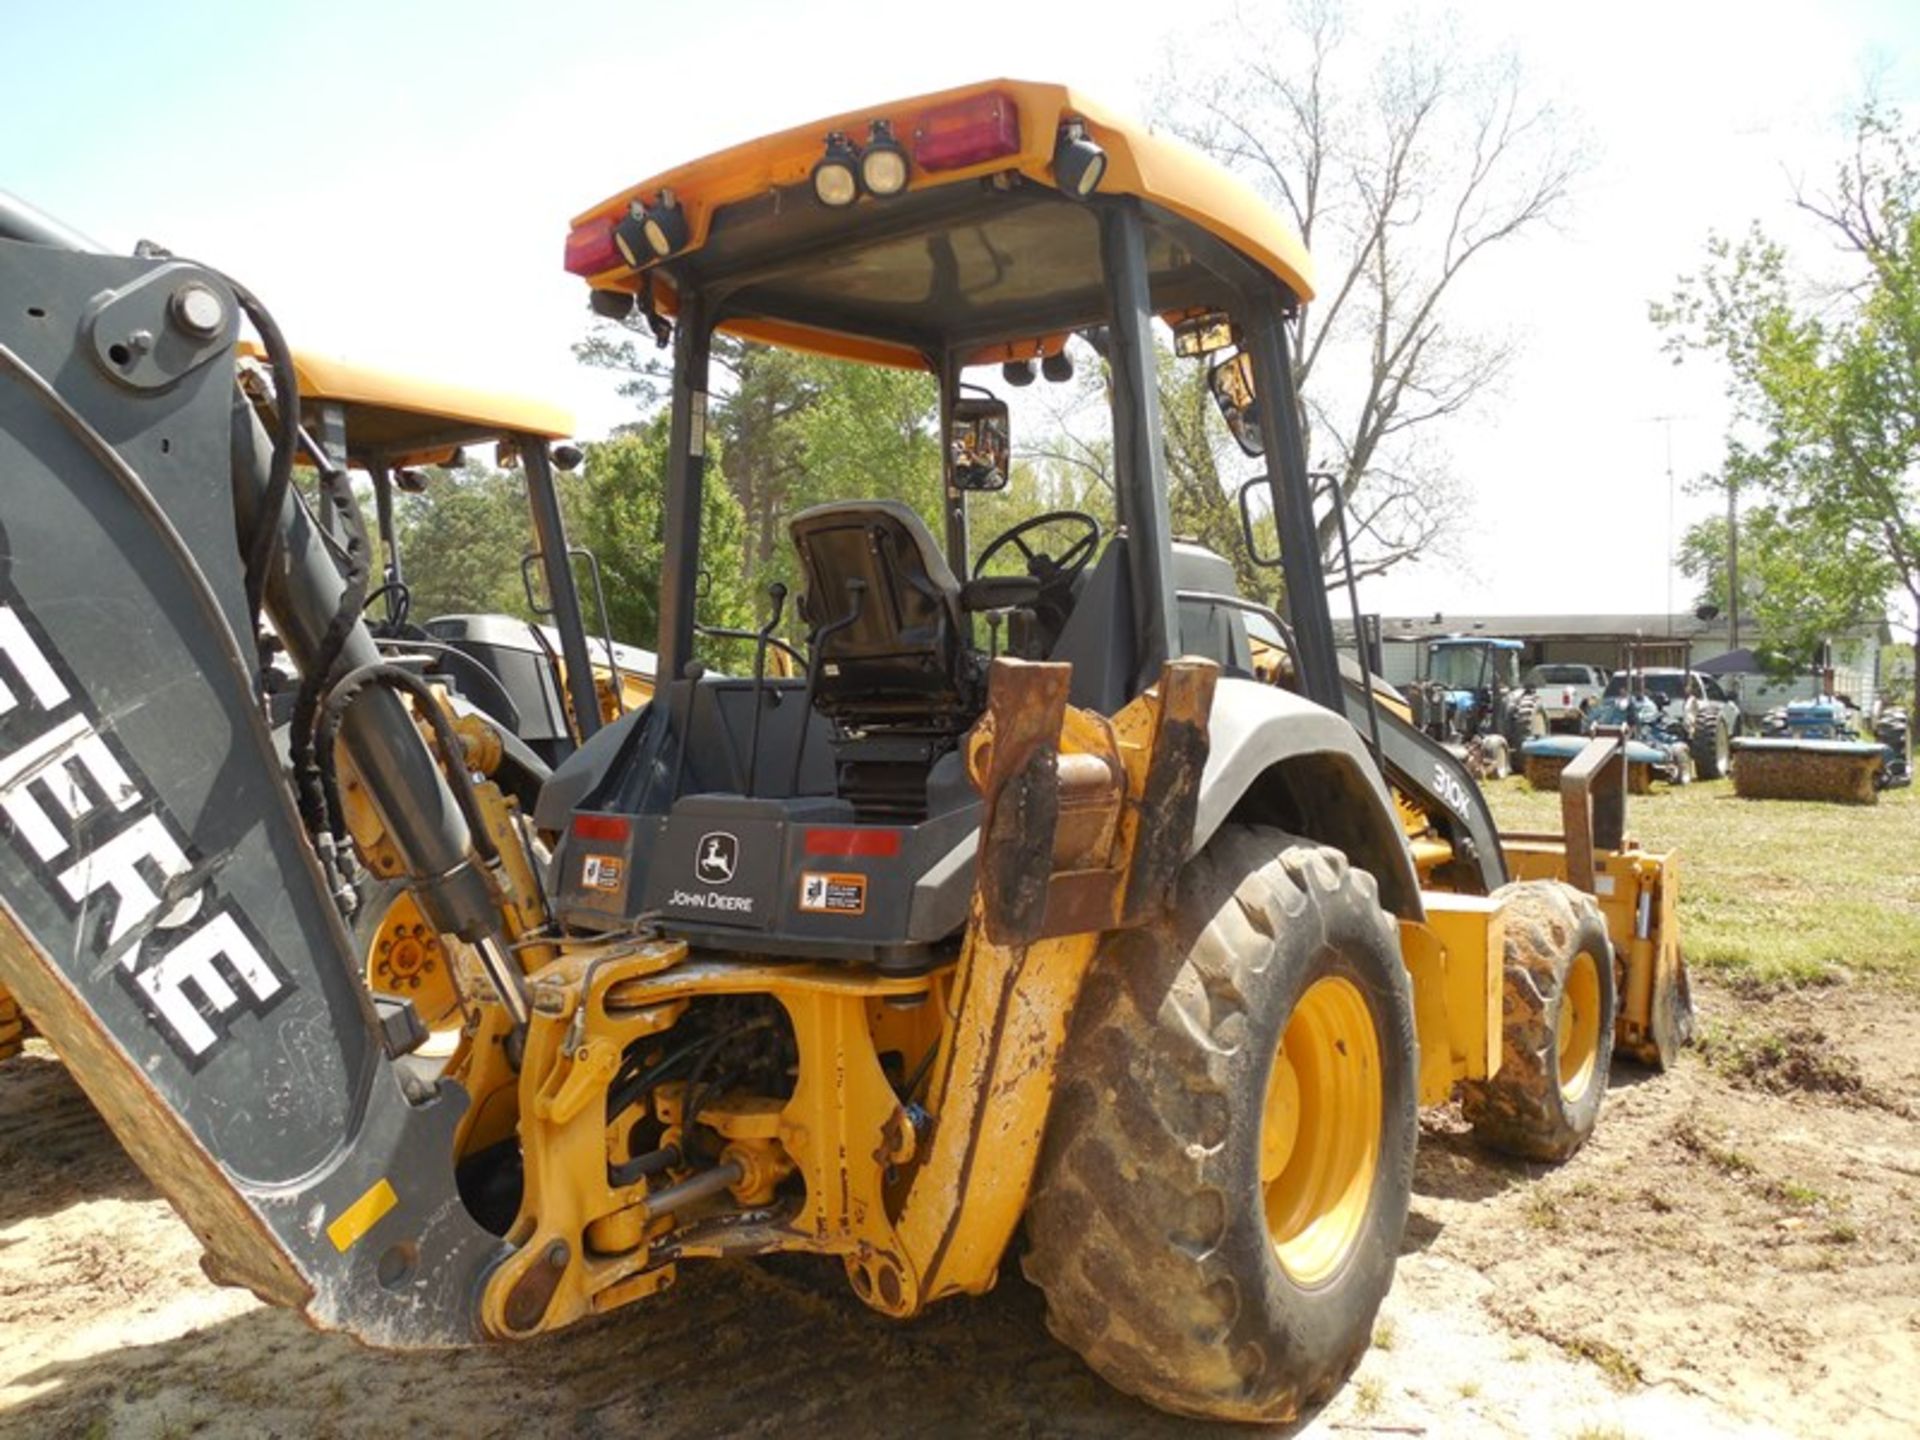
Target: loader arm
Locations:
point(1428, 774)
point(163, 918)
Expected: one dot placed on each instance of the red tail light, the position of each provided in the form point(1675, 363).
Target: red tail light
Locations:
point(590, 248)
point(606, 828)
point(966, 132)
point(875, 842)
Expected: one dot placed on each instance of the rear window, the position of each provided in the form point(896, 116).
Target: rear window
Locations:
point(1661, 687)
point(1562, 675)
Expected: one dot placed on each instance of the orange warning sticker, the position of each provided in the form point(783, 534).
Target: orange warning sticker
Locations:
point(601, 872)
point(825, 893)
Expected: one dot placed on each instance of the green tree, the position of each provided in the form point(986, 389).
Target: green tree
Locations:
point(763, 450)
point(1825, 386)
point(1796, 589)
point(615, 506)
point(461, 538)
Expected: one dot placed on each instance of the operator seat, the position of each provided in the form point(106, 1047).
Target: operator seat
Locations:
point(903, 658)
point(892, 666)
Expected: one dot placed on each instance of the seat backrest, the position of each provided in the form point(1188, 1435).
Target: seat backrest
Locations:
point(903, 659)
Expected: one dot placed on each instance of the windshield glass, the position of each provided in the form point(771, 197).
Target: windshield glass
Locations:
point(1459, 667)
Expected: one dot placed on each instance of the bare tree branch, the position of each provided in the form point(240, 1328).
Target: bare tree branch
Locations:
point(1401, 165)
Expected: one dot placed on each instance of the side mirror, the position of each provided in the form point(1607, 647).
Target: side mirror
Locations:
point(1251, 529)
point(1233, 391)
point(979, 440)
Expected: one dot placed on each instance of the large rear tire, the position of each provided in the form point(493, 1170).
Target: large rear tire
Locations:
point(1557, 1015)
point(1526, 721)
point(1711, 745)
point(1229, 1157)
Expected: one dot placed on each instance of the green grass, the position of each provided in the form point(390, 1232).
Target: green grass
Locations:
point(1774, 892)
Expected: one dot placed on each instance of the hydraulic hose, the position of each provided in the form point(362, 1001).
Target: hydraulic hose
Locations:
point(452, 753)
point(318, 792)
point(265, 538)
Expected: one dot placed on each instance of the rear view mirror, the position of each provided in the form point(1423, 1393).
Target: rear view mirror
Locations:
point(1233, 391)
point(1257, 524)
point(1202, 334)
point(979, 440)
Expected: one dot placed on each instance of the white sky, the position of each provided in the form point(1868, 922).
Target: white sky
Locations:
point(395, 182)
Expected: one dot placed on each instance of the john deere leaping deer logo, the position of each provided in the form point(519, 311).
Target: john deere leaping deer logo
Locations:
point(714, 861)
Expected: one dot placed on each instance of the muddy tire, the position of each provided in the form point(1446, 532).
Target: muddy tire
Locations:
point(1673, 1017)
point(1711, 745)
point(1526, 721)
point(1277, 976)
point(1557, 1012)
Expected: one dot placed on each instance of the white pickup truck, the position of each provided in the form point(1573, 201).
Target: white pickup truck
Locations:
point(1566, 691)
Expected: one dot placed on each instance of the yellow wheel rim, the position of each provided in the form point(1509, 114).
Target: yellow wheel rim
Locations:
point(407, 959)
point(1320, 1130)
point(1577, 1031)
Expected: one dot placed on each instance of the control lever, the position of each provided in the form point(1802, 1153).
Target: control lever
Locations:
point(856, 597)
point(778, 594)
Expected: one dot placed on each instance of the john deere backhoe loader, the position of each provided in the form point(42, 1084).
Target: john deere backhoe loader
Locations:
point(1106, 933)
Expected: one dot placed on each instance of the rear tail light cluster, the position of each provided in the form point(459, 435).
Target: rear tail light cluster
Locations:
point(644, 234)
point(954, 136)
point(948, 137)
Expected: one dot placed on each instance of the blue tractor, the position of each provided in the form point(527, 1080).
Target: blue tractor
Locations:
point(1472, 701)
point(1667, 734)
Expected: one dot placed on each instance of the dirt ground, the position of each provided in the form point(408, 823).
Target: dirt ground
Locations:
point(1737, 1252)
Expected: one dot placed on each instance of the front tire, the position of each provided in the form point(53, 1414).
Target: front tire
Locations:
point(1557, 1018)
point(1229, 1157)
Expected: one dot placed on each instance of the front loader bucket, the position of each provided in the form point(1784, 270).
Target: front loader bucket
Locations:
point(1843, 772)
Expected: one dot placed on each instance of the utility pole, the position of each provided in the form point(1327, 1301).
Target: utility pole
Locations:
point(1733, 564)
point(1667, 422)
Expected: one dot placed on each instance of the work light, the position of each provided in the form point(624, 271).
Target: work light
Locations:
point(1017, 372)
point(836, 178)
point(630, 239)
point(663, 224)
point(883, 164)
point(1057, 367)
point(1078, 163)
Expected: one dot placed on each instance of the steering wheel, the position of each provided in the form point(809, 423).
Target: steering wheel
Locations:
point(1042, 566)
